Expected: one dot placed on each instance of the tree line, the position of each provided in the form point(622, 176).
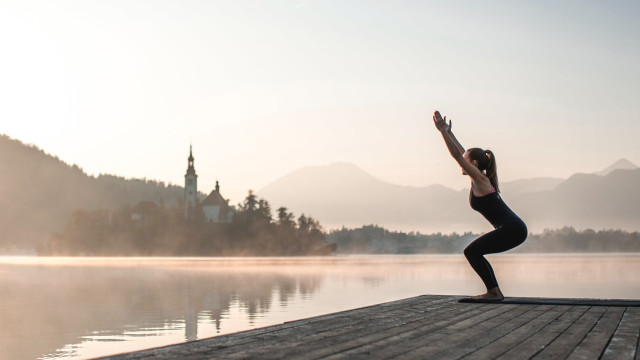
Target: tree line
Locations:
point(39, 192)
point(149, 229)
point(569, 240)
point(373, 239)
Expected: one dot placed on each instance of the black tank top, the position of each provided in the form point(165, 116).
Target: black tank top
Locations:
point(493, 208)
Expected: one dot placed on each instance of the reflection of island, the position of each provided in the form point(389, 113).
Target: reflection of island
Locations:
point(68, 303)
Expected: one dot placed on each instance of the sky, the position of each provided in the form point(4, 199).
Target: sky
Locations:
point(262, 88)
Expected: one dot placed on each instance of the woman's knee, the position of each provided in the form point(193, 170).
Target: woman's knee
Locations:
point(470, 251)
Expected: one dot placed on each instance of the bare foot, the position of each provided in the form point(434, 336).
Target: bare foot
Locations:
point(493, 294)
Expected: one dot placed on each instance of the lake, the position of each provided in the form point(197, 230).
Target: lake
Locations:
point(69, 308)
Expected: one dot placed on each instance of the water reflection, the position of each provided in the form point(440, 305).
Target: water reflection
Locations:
point(81, 307)
point(51, 306)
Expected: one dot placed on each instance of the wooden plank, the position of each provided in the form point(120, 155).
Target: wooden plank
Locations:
point(546, 335)
point(374, 331)
point(452, 345)
point(368, 333)
point(624, 343)
point(396, 344)
point(520, 334)
point(593, 345)
point(345, 327)
point(463, 343)
point(564, 344)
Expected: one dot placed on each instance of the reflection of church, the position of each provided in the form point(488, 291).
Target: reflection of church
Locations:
point(214, 207)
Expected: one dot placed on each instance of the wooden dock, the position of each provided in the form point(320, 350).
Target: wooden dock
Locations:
point(431, 327)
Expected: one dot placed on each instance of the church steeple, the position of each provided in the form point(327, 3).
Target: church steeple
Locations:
point(190, 186)
point(190, 168)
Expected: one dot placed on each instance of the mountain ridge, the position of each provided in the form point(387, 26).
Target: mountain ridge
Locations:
point(546, 202)
point(54, 189)
point(622, 164)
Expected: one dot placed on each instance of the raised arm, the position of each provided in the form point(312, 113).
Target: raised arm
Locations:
point(453, 138)
point(450, 140)
point(457, 151)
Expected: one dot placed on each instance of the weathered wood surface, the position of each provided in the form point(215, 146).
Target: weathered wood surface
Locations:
point(430, 327)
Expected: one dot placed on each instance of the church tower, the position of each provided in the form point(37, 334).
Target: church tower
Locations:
point(190, 188)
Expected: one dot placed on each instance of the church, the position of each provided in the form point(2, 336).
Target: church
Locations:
point(214, 207)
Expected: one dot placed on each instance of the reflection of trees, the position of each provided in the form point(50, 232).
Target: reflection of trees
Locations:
point(58, 305)
point(287, 290)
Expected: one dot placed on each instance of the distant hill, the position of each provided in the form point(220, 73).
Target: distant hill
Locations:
point(38, 192)
point(587, 201)
point(342, 194)
point(622, 164)
point(522, 186)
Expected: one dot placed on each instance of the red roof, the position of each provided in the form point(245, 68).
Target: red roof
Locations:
point(214, 199)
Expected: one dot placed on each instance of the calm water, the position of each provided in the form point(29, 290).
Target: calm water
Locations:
point(86, 307)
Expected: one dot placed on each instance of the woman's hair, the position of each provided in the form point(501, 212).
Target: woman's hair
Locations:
point(486, 162)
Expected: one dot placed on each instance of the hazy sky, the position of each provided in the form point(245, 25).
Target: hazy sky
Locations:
point(262, 88)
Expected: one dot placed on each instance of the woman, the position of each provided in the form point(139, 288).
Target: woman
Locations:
point(510, 231)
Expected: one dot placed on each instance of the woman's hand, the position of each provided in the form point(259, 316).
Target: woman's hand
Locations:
point(441, 124)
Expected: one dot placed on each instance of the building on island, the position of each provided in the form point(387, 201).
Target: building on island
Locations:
point(190, 188)
point(215, 208)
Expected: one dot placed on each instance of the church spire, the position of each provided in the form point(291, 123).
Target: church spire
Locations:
point(191, 169)
point(190, 186)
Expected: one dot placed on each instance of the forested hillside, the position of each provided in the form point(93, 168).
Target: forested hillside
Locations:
point(38, 193)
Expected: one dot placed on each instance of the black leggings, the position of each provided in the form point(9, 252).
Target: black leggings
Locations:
point(501, 239)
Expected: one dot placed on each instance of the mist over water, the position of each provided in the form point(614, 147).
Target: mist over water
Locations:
point(87, 307)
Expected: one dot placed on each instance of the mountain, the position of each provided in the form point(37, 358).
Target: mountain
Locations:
point(343, 194)
point(522, 186)
point(38, 192)
point(622, 164)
